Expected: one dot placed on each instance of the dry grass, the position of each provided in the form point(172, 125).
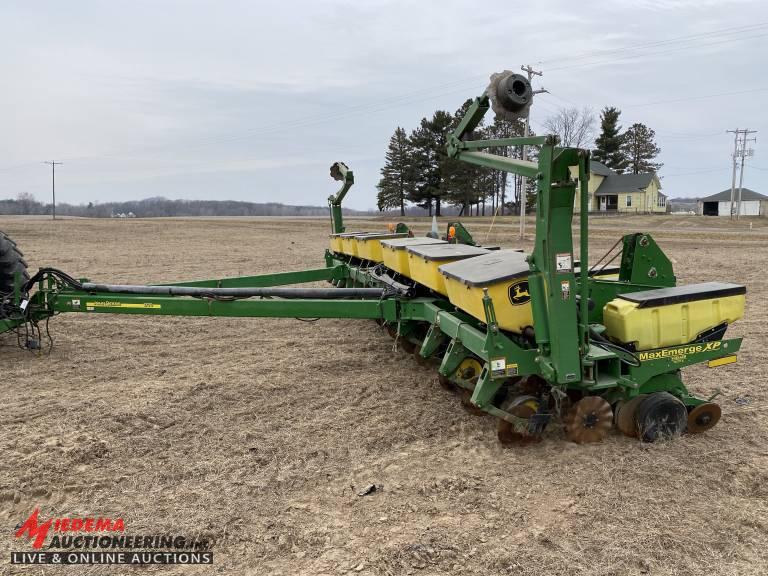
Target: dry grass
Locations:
point(261, 432)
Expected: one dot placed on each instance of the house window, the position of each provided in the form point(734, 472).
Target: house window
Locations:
point(661, 201)
point(629, 200)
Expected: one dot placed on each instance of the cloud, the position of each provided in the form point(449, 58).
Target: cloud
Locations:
point(250, 100)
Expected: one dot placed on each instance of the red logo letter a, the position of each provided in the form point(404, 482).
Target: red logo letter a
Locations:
point(33, 530)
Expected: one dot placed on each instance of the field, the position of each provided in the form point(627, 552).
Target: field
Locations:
point(261, 433)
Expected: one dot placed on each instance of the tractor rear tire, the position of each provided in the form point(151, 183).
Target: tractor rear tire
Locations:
point(11, 262)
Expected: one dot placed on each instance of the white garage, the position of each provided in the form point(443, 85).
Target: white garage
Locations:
point(752, 203)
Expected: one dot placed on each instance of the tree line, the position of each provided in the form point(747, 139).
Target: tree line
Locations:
point(26, 203)
point(418, 171)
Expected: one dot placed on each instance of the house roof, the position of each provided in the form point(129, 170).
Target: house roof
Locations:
point(725, 195)
point(600, 169)
point(617, 183)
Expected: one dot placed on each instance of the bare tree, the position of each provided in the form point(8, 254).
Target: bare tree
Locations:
point(576, 128)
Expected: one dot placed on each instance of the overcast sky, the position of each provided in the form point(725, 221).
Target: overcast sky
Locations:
point(254, 100)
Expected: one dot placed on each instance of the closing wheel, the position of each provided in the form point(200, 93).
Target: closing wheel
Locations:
point(660, 416)
point(407, 346)
point(466, 402)
point(625, 415)
point(445, 382)
point(420, 360)
point(523, 407)
point(589, 420)
point(703, 417)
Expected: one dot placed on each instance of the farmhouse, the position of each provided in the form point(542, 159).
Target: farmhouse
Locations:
point(610, 191)
point(752, 203)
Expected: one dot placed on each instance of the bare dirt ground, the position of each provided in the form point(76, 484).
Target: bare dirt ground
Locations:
point(260, 433)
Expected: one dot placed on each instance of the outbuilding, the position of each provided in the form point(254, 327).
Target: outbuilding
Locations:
point(752, 203)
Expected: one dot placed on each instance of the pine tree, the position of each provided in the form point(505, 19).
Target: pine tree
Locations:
point(608, 145)
point(430, 157)
point(465, 184)
point(397, 173)
point(640, 149)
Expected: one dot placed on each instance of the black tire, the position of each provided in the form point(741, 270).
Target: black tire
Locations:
point(660, 416)
point(11, 262)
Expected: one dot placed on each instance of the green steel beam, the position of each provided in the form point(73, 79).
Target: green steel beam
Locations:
point(266, 280)
point(74, 301)
point(6, 325)
point(502, 142)
point(470, 121)
point(521, 167)
point(479, 342)
point(665, 360)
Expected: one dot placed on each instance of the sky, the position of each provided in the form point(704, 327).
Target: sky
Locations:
point(254, 100)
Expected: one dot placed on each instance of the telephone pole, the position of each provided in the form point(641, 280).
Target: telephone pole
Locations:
point(740, 151)
point(523, 200)
point(53, 182)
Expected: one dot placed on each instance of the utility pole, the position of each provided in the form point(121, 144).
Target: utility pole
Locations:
point(53, 182)
point(740, 151)
point(744, 153)
point(531, 73)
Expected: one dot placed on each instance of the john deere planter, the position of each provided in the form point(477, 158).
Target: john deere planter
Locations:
point(526, 338)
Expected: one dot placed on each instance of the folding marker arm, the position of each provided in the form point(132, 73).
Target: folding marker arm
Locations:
point(339, 171)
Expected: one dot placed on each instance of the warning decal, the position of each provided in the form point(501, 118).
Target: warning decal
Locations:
point(112, 304)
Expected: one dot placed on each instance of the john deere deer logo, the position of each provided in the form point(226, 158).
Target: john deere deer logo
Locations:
point(518, 293)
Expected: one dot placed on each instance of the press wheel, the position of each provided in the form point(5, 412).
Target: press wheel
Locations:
point(625, 415)
point(660, 416)
point(703, 417)
point(522, 407)
point(589, 420)
point(469, 369)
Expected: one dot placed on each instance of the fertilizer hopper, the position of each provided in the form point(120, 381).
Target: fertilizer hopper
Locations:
point(503, 275)
point(424, 261)
point(395, 252)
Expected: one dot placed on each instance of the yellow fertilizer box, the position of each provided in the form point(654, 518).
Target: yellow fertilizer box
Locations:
point(395, 255)
point(673, 316)
point(505, 274)
point(424, 262)
point(369, 246)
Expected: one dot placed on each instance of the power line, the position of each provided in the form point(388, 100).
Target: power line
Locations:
point(703, 97)
point(430, 93)
point(678, 39)
point(696, 172)
point(658, 52)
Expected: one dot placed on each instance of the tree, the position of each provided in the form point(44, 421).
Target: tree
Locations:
point(464, 184)
point(430, 157)
point(576, 128)
point(608, 145)
point(640, 149)
point(397, 173)
point(503, 128)
point(26, 202)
